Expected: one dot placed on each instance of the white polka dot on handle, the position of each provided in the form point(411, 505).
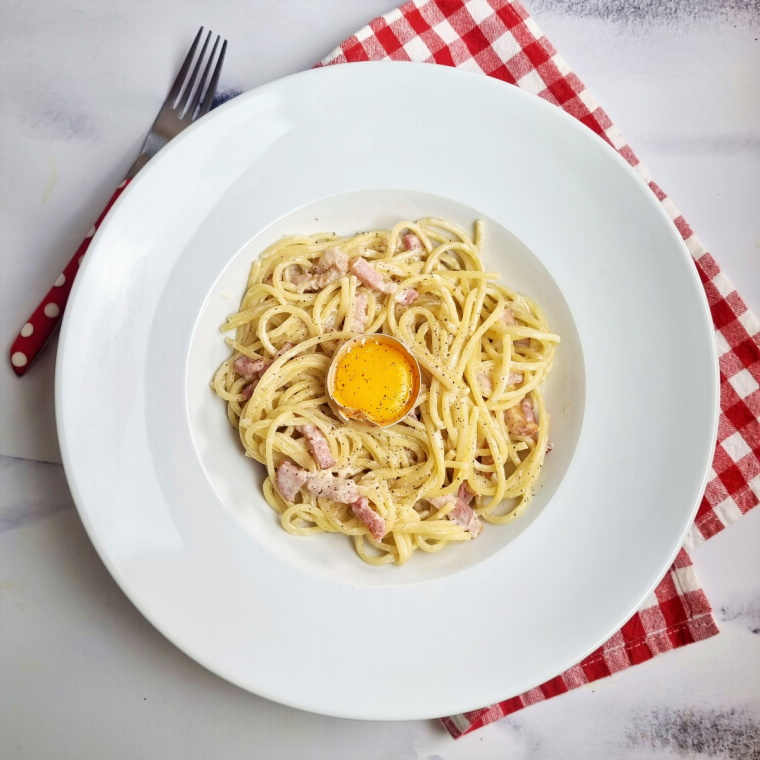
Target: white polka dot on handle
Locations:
point(52, 310)
point(91, 232)
point(27, 330)
point(60, 281)
point(18, 359)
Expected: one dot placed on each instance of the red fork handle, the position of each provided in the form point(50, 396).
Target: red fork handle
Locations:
point(41, 326)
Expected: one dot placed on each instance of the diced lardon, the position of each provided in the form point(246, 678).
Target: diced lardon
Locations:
point(358, 320)
point(290, 478)
point(465, 494)
point(527, 407)
point(486, 384)
point(251, 367)
point(318, 446)
point(407, 296)
point(370, 277)
point(332, 265)
point(462, 513)
point(285, 348)
point(509, 317)
point(412, 242)
point(521, 419)
point(332, 258)
point(255, 368)
point(328, 487)
point(369, 517)
point(463, 516)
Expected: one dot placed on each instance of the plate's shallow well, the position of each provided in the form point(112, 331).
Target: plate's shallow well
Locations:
point(237, 481)
point(173, 507)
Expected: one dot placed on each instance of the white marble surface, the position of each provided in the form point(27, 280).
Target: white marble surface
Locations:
point(82, 674)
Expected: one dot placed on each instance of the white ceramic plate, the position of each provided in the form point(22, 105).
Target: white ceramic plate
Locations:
point(176, 511)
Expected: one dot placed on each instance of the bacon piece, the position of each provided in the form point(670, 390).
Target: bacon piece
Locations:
point(251, 367)
point(407, 296)
point(462, 513)
point(488, 459)
point(311, 282)
point(527, 407)
point(247, 392)
point(369, 517)
point(509, 317)
point(318, 447)
point(441, 501)
point(358, 320)
point(464, 494)
point(303, 282)
point(332, 258)
point(370, 277)
point(412, 242)
point(285, 348)
point(332, 265)
point(521, 420)
point(485, 382)
point(290, 478)
point(463, 516)
point(338, 489)
point(255, 368)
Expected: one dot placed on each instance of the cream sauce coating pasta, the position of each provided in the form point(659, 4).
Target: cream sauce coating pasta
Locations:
point(480, 429)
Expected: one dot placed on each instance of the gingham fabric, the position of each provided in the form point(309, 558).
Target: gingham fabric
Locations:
point(500, 39)
point(676, 613)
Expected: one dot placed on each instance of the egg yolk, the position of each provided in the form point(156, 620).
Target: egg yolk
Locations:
point(374, 382)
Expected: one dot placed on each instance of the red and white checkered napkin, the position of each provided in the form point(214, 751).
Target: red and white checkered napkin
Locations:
point(499, 39)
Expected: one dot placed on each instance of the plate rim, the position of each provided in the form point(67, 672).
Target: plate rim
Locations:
point(136, 184)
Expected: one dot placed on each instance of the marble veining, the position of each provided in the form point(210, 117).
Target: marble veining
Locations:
point(57, 118)
point(223, 94)
point(521, 735)
point(702, 145)
point(32, 491)
point(746, 612)
point(698, 732)
point(649, 11)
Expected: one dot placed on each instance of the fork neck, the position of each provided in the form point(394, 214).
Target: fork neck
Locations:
point(142, 159)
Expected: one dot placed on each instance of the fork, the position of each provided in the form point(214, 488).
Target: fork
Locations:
point(189, 99)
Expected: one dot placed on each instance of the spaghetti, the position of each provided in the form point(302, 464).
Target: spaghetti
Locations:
point(474, 444)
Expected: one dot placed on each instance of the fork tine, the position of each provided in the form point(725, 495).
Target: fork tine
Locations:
point(193, 78)
point(211, 91)
point(204, 79)
point(177, 86)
